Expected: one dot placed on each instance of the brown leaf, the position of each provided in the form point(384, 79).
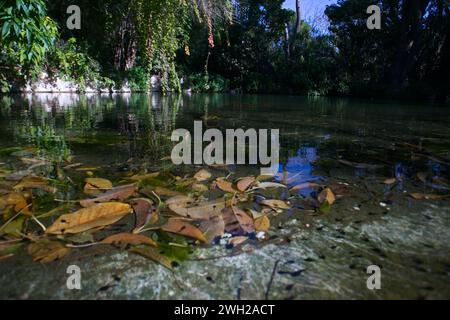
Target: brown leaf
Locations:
point(99, 183)
point(225, 186)
point(152, 254)
point(179, 226)
point(144, 211)
point(47, 251)
point(16, 200)
point(235, 220)
point(129, 238)
point(262, 224)
point(119, 193)
point(202, 175)
point(182, 206)
point(422, 196)
point(245, 183)
point(88, 218)
point(327, 195)
point(212, 228)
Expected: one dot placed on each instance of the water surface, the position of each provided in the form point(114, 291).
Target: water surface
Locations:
point(353, 144)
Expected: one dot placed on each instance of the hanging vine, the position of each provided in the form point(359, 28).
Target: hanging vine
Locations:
point(162, 28)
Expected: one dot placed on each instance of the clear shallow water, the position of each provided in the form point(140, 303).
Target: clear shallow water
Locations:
point(356, 144)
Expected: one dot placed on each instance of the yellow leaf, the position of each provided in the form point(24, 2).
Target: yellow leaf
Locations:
point(202, 175)
point(237, 240)
point(262, 224)
point(129, 238)
point(15, 199)
point(99, 183)
point(179, 226)
point(327, 195)
point(85, 219)
point(276, 204)
point(390, 181)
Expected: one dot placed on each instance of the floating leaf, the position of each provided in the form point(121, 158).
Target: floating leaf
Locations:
point(182, 206)
point(245, 183)
point(128, 238)
point(46, 250)
point(262, 223)
point(235, 220)
point(16, 200)
point(235, 241)
point(119, 193)
point(153, 254)
point(269, 185)
point(144, 210)
point(202, 175)
point(422, 196)
point(212, 228)
point(179, 226)
point(306, 185)
point(390, 181)
point(95, 186)
point(225, 186)
point(276, 204)
point(85, 219)
point(327, 195)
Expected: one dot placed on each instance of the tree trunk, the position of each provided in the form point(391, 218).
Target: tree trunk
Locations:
point(288, 42)
point(126, 46)
point(298, 21)
point(412, 12)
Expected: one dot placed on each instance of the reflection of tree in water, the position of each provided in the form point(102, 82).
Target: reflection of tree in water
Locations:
point(135, 125)
point(148, 122)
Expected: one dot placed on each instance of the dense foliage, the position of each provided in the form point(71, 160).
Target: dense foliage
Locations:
point(240, 45)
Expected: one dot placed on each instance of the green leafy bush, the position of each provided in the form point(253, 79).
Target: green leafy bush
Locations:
point(201, 82)
point(27, 33)
point(67, 60)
